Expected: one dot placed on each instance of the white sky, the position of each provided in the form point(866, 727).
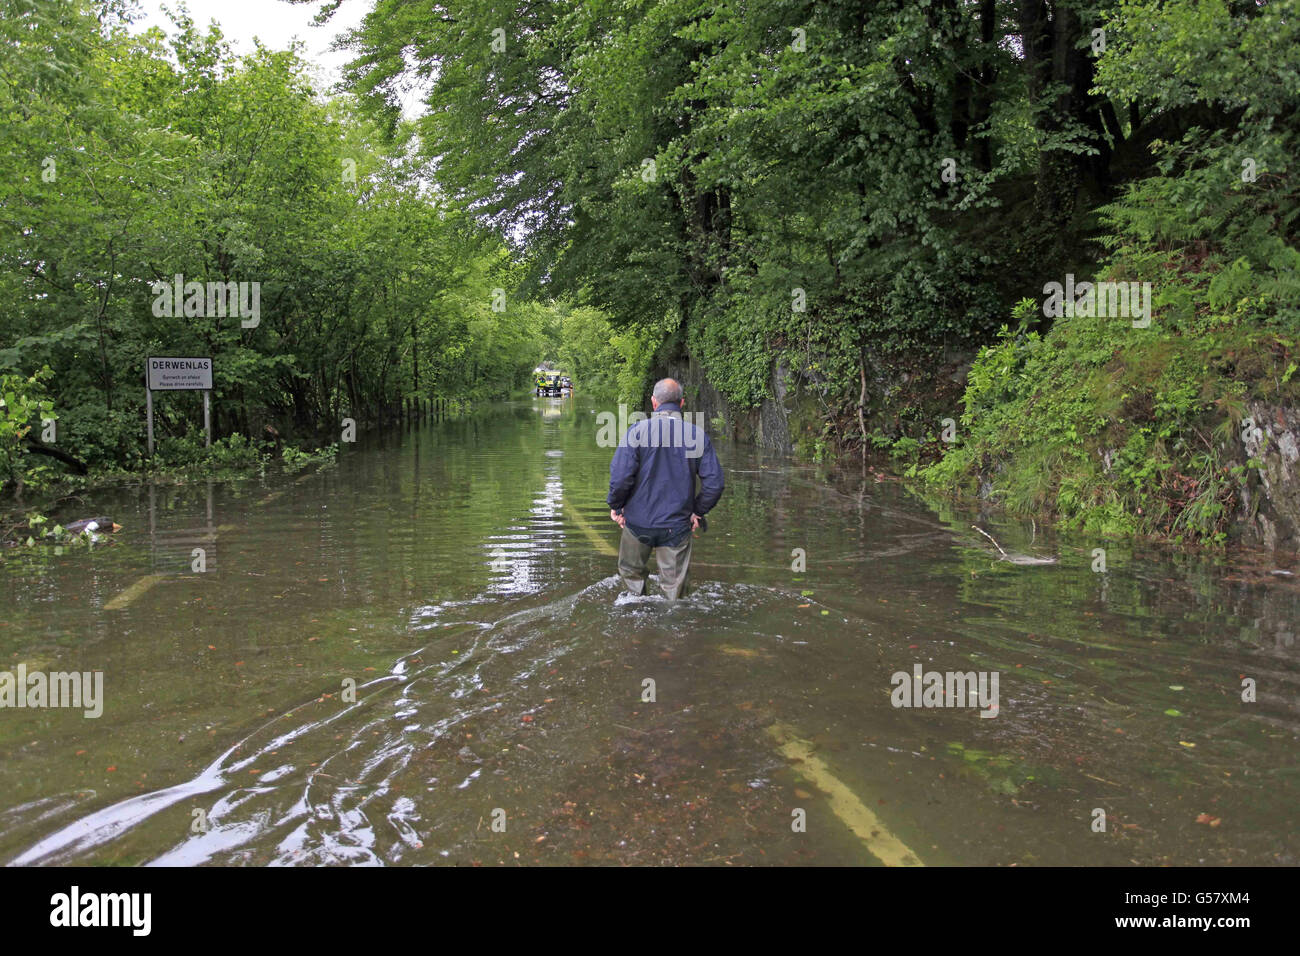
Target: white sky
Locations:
point(273, 22)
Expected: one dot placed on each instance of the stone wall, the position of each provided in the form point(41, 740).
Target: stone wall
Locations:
point(768, 426)
point(1270, 512)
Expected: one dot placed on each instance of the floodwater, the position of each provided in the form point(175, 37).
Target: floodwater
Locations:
point(510, 707)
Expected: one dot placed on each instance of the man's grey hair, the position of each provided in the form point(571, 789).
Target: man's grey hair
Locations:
point(667, 390)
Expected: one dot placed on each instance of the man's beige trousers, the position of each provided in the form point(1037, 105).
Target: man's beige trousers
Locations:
point(674, 565)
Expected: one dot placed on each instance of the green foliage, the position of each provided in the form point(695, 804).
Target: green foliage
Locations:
point(231, 456)
point(1117, 429)
point(733, 346)
point(847, 190)
point(587, 350)
point(24, 403)
point(136, 157)
point(636, 346)
point(295, 460)
point(682, 159)
point(844, 190)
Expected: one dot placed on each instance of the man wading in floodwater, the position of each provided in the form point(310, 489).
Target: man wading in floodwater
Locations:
point(652, 492)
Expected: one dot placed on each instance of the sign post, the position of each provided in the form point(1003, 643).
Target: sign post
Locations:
point(177, 375)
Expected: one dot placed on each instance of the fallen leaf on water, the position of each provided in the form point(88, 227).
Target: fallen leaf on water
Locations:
point(1208, 820)
point(1186, 744)
point(1173, 713)
point(805, 605)
point(802, 794)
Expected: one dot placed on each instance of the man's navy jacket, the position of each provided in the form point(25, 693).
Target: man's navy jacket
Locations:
point(652, 476)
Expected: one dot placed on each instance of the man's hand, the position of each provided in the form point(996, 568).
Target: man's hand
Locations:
point(695, 522)
point(617, 518)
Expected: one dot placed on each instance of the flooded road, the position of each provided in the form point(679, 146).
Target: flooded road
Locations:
point(510, 707)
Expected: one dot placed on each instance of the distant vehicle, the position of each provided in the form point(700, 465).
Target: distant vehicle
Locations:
point(566, 382)
point(547, 384)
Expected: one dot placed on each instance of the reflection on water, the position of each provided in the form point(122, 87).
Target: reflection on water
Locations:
point(421, 655)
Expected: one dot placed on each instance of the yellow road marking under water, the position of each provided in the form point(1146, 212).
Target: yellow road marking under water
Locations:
point(599, 543)
point(748, 653)
point(133, 592)
point(868, 827)
point(855, 814)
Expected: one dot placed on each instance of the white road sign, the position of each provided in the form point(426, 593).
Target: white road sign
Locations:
point(173, 374)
